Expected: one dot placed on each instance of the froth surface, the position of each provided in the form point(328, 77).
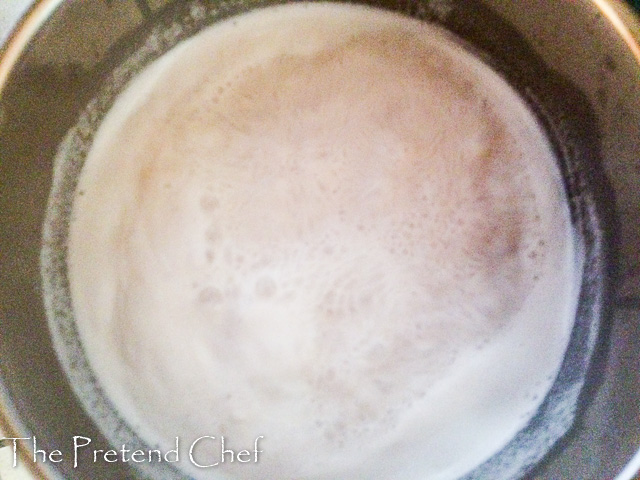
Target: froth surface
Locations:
point(330, 226)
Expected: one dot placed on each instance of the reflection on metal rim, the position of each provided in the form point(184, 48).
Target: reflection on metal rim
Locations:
point(611, 13)
point(633, 468)
point(21, 36)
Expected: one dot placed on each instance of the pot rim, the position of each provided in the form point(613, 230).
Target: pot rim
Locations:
point(618, 15)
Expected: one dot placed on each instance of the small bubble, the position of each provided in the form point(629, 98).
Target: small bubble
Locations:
point(266, 287)
point(289, 295)
point(208, 203)
point(366, 300)
point(209, 295)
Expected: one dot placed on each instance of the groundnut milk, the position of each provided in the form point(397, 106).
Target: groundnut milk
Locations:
point(332, 227)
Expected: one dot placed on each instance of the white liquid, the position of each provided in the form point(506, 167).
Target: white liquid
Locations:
point(330, 226)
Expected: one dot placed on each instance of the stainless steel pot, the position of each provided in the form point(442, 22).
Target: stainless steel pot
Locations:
point(577, 63)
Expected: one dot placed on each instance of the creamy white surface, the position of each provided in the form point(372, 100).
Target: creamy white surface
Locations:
point(330, 226)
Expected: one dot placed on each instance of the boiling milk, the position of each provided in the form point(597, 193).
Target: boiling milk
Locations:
point(330, 226)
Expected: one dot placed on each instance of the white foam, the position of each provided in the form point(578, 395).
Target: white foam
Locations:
point(331, 226)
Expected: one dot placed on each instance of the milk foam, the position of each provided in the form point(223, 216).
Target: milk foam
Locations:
point(331, 226)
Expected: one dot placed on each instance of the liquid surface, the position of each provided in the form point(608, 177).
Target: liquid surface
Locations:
point(332, 227)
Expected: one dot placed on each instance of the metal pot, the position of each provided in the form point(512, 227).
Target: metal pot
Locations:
point(576, 63)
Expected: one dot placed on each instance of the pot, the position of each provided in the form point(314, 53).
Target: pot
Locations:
point(577, 64)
